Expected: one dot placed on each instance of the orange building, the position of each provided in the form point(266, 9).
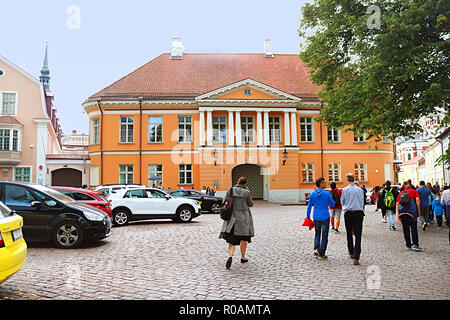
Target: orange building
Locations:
point(175, 120)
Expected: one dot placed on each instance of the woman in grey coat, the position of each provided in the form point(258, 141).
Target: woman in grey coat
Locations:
point(239, 229)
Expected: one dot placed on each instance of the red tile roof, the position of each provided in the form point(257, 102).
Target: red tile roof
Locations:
point(199, 73)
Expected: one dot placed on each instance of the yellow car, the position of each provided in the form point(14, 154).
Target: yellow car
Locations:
point(13, 248)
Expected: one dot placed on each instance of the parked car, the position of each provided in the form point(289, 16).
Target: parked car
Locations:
point(13, 248)
point(150, 203)
point(208, 203)
point(49, 215)
point(108, 189)
point(90, 197)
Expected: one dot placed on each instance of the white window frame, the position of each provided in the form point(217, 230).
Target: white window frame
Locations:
point(11, 139)
point(359, 139)
point(153, 171)
point(15, 105)
point(22, 167)
point(158, 139)
point(126, 124)
point(126, 172)
point(274, 132)
point(334, 170)
point(306, 125)
point(246, 131)
point(333, 135)
point(308, 167)
point(184, 134)
point(219, 129)
point(95, 127)
point(182, 174)
point(358, 168)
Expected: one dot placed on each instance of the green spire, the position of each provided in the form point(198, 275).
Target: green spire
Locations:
point(45, 72)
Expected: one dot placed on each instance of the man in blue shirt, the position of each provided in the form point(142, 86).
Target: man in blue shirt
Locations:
point(320, 199)
point(353, 207)
point(424, 194)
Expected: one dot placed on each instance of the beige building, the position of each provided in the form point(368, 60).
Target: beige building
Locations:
point(29, 128)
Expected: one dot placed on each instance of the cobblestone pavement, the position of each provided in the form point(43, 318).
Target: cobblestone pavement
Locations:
point(167, 260)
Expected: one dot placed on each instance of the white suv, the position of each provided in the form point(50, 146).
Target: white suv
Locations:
point(150, 203)
point(109, 189)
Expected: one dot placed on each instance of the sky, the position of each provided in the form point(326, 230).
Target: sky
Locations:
point(94, 43)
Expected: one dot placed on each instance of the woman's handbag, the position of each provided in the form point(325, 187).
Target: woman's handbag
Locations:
point(227, 209)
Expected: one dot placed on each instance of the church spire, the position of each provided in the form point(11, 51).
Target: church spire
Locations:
point(45, 72)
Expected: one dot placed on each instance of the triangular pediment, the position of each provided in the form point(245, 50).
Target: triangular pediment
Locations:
point(247, 89)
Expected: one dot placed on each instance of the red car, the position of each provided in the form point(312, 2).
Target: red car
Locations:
point(89, 197)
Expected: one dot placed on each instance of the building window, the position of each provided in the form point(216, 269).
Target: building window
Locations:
point(126, 174)
point(185, 174)
point(334, 135)
point(248, 92)
point(386, 139)
point(126, 129)
point(22, 174)
point(184, 129)
point(219, 129)
point(155, 171)
point(274, 129)
point(247, 129)
point(308, 172)
point(334, 172)
point(9, 103)
point(95, 125)
point(360, 171)
point(361, 138)
point(9, 140)
point(306, 129)
point(155, 125)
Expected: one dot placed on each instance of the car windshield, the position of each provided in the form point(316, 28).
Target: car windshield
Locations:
point(55, 194)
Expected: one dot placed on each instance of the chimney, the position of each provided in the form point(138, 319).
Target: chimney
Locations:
point(177, 49)
point(268, 48)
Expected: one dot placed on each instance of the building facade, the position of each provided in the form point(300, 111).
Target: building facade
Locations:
point(28, 129)
point(192, 120)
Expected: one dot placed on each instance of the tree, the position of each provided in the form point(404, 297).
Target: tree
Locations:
point(378, 70)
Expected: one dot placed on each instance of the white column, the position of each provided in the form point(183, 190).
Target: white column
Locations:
point(287, 131)
point(202, 128)
point(294, 128)
point(266, 128)
point(259, 128)
point(209, 128)
point(238, 129)
point(230, 128)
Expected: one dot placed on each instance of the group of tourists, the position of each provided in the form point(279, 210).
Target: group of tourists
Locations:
point(408, 204)
point(208, 191)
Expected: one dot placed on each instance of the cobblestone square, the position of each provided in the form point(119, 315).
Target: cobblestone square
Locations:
point(166, 260)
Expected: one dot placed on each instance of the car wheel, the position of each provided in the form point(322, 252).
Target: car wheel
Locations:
point(215, 208)
point(68, 235)
point(184, 214)
point(121, 217)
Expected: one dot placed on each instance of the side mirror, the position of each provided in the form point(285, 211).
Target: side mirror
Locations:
point(36, 204)
point(167, 197)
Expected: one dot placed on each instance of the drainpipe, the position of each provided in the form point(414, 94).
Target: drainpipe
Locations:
point(101, 140)
point(443, 164)
point(140, 140)
point(321, 142)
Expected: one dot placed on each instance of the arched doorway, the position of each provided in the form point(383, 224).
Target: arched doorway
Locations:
point(67, 177)
point(255, 180)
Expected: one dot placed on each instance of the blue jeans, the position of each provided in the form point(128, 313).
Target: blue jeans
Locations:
point(390, 218)
point(322, 228)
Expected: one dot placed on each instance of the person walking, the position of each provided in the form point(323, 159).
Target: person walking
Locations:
point(239, 229)
point(320, 200)
point(408, 212)
point(438, 209)
point(388, 200)
point(335, 212)
point(424, 194)
point(445, 200)
point(353, 207)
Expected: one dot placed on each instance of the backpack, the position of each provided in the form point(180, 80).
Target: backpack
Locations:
point(336, 199)
point(404, 199)
point(389, 200)
point(227, 209)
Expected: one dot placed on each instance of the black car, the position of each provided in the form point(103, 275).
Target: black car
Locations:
point(49, 215)
point(208, 203)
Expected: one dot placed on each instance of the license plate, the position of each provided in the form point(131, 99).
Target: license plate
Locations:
point(17, 234)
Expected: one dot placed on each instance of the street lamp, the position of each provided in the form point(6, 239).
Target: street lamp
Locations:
point(285, 155)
